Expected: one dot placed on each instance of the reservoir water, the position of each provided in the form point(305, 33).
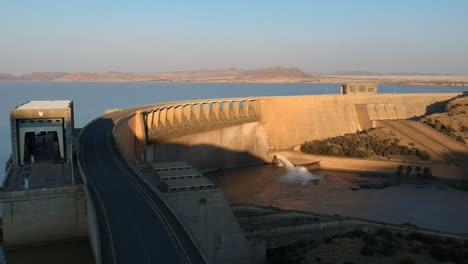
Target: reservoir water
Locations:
point(430, 206)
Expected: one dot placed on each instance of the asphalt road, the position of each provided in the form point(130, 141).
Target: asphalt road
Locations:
point(134, 225)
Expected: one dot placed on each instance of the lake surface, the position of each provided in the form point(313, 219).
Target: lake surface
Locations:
point(428, 204)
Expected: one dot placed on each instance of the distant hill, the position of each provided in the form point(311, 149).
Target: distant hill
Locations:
point(369, 73)
point(268, 75)
point(42, 76)
point(34, 76)
point(354, 73)
point(7, 77)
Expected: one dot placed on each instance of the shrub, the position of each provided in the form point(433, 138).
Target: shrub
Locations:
point(408, 170)
point(282, 259)
point(440, 253)
point(455, 106)
point(360, 145)
point(300, 244)
point(366, 251)
point(370, 240)
point(424, 155)
point(451, 241)
point(400, 168)
point(460, 139)
point(407, 260)
point(427, 172)
point(456, 255)
point(388, 235)
point(328, 240)
point(425, 239)
point(387, 249)
point(299, 259)
point(453, 254)
point(355, 233)
point(416, 250)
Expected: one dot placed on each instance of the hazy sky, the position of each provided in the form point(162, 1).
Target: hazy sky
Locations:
point(317, 36)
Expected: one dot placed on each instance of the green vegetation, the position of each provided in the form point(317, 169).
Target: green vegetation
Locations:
point(361, 145)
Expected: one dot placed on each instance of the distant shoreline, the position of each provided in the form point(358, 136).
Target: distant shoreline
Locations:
point(275, 75)
point(434, 84)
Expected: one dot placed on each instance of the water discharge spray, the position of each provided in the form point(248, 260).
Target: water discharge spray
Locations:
point(299, 174)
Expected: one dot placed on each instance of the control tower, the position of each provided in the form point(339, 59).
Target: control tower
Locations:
point(358, 88)
point(42, 131)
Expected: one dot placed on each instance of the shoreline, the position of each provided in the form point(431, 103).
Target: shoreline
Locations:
point(380, 82)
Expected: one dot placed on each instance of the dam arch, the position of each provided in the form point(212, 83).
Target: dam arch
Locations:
point(254, 126)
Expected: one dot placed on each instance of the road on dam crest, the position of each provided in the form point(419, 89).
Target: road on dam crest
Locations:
point(135, 226)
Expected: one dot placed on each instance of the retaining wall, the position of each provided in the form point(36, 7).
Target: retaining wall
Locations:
point(43, 215)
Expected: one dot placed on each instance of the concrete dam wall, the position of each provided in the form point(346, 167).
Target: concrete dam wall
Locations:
point(232, 132)
point(290, 121)
point(243, 144)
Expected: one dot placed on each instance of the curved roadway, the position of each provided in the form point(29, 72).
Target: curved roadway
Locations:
point(135, 225)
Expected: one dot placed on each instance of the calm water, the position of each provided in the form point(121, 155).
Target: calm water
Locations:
point(91, 99)
point(429, 204)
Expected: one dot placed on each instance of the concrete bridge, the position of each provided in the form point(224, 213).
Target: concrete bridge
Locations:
point(132, 220)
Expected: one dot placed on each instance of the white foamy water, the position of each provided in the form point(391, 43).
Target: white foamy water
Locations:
point(299, 174)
